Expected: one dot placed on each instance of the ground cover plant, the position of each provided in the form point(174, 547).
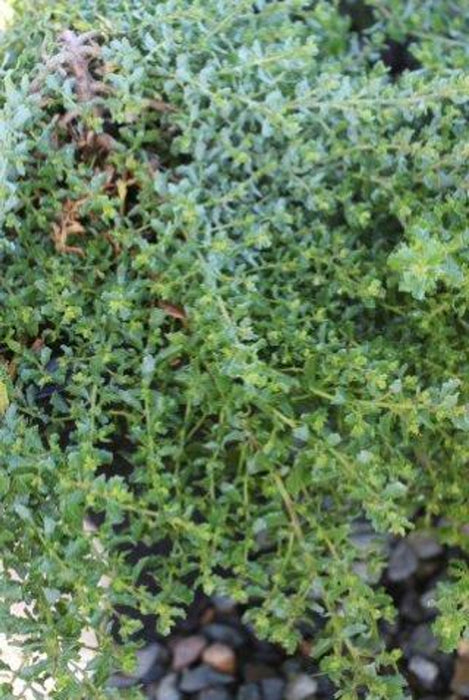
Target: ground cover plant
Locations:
point(234, 255)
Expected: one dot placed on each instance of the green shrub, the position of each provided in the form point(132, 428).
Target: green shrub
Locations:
point(234, 304)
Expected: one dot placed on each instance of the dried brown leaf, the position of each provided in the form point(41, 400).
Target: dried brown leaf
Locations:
point(173, 310)
point(160, 106)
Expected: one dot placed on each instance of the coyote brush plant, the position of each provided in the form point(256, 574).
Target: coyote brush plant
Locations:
point(234, 304)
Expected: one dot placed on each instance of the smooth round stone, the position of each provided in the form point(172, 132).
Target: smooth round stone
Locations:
point(203, 676)
point(425, 546)
point(326, 688)
point(214, 694)
point(403, 563)
point(272, 688)
point(167, 688)
point(151, 663)
point(422, 642)
point(149, 655)
point(187, 650)
point(223, 603)
point(120, 680)
point(364, 572)
point(221, 657)
point(267, 653)
point(291, 667)
point(428, 568)
point(249, 691)
point(427, 602)
point(425, 672)
point(154, 674)
point(302, 687)
point(365, 539)
point(218, 632)
point(410, 607)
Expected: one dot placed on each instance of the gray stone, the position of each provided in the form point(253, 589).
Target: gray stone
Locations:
point(403, 562)
point(422, 642)
point(218, 632)
point(120, 680)
point(151, 662)
point(427, 602)
point(425, 546)
point(364, 538)
point(187, 650)
point(272, 688)
point(365, 573)
point(223, 603)
point(291, 667)
point(249, 691)
point(150, 667)
point(425, 672)
point(302, 687)
point(214, 694)
point(410, 607)
point(167, 688)
point(326, 688)
point(203, 676)
point(428, 568)
point(154, 674)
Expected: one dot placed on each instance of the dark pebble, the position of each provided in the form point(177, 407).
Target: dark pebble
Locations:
point(167, 688)
point(268, 653)
point(427, 569)
point(422, 642)
point(151, 663)
point(365, 539)
point(224, 604)
point(154, 674)
point(427, 603)
point(425, 672)
point(219, 632)
point(149, 656)
point(411, 609)
point(291, 667)
point(214, 694)
point(326, 688)
point(403, 562)
point(187, 650)
point(202, 677)
point(272, 688)
point(249, 691)
point(301, 687)
point(119, 680)
point(425, 546)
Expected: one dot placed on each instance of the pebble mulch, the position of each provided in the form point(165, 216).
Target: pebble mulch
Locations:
point(215, 657)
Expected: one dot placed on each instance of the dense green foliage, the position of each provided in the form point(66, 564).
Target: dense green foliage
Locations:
point(274, 343)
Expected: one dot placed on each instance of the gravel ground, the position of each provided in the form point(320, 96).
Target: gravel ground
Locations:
point(212, 655)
